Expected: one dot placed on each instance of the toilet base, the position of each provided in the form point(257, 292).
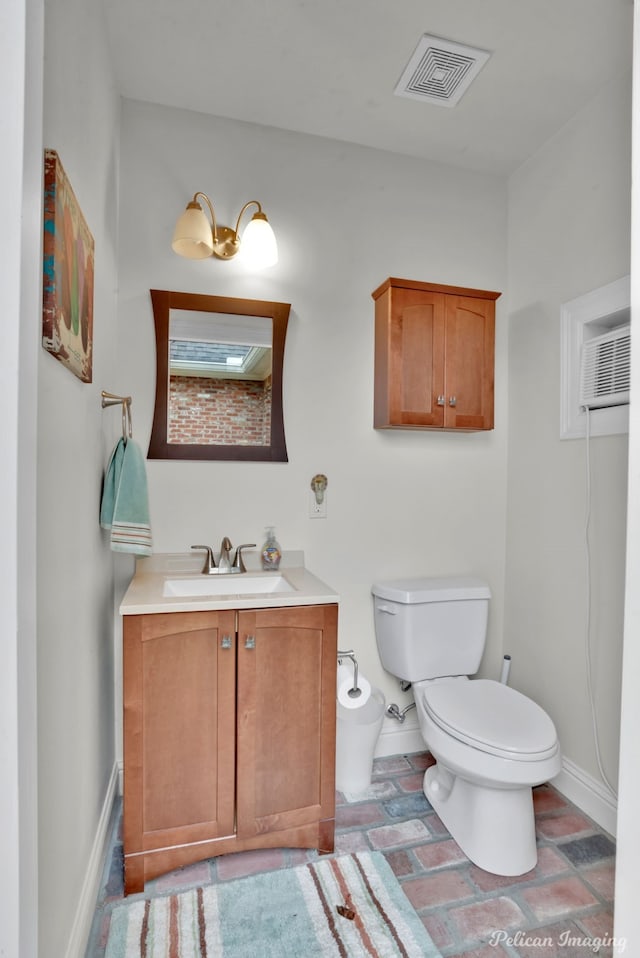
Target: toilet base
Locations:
point(494, 827)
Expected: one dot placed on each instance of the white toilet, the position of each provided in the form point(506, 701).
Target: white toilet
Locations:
point(490, 742)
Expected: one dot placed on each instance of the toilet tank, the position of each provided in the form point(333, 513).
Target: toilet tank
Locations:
point(431, 627)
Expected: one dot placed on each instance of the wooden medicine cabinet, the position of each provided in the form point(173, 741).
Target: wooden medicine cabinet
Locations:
point(434, 356)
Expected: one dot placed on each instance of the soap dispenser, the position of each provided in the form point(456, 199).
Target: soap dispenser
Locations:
point(271, 553)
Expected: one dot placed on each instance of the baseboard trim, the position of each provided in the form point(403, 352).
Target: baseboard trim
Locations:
point(91, 885)
point(399, 739)
point(591, 796)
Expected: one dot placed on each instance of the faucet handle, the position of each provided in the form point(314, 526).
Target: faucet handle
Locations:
point(209, 562)
point(238, 562)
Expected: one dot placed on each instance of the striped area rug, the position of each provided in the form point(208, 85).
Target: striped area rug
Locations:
point(348, 907)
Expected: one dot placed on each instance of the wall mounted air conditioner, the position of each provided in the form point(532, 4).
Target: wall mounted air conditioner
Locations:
point(605, 369)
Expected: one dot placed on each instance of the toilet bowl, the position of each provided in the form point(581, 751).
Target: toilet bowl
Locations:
point(491, 743)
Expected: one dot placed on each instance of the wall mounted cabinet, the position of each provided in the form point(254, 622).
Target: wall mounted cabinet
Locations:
point(229, 734)
point(434, 356)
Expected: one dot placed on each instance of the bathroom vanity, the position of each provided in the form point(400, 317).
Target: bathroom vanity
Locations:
point(229, 714)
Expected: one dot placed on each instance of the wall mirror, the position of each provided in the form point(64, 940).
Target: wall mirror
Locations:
point(219, 367)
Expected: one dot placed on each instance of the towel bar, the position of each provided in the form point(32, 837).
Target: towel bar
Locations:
point(110, 399)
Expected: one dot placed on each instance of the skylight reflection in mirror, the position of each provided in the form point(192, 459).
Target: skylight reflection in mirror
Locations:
point(209, 358)
point(219, 345)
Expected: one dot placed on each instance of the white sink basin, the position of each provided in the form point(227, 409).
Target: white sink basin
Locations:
point(239, 584)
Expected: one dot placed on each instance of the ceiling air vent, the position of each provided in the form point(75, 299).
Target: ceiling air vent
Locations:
point(606, 369)
point(440, 71)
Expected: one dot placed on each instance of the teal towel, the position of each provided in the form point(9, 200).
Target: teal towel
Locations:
point(125, 504)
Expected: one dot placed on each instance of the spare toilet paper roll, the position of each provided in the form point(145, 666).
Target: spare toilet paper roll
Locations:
point(345, 685)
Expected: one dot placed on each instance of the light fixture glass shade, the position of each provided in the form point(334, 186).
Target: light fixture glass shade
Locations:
point(259, 247)
point(193, 236)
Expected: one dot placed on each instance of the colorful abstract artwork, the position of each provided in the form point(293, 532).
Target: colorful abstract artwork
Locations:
point(68, 270)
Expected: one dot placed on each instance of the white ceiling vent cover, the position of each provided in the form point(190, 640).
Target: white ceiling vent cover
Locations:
point(440, 71)
point(606, 369)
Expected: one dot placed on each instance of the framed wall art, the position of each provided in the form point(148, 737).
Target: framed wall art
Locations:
point(68, 272)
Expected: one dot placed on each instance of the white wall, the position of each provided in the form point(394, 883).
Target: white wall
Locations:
point(75, 577)
point(627, 926)
point(346, 217)
point(21, 41)
point(569, 232)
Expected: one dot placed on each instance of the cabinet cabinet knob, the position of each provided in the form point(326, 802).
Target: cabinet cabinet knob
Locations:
point(440, 401)
point(225, 642)
point(453, 401)
point(250, 642)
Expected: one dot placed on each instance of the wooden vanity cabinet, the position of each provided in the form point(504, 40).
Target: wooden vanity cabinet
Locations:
point(434, 356)
point(229, 734)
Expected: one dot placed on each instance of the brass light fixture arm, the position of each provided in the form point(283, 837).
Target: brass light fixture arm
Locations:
point(226, 241)
point(204, 196)
point(246, 205)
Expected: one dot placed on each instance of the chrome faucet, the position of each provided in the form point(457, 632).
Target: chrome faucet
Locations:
point(224, 562)
point(225, 565)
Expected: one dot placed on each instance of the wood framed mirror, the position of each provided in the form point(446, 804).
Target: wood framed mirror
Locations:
point(219, 363)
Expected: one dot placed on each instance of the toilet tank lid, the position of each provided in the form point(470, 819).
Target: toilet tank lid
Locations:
point(432, 589)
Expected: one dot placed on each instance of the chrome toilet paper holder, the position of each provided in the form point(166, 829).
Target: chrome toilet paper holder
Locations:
point(354, 692)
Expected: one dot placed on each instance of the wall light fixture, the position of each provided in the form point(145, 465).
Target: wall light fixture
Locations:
point(197, 238)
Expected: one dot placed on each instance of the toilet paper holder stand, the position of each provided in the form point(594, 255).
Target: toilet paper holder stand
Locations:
point(353, 692)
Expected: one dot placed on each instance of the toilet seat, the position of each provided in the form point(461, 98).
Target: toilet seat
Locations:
point(491, 717)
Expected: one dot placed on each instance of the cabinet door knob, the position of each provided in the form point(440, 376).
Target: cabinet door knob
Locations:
point(225, 642)
point(453, 401)
point(250, 642)
point(440, 400)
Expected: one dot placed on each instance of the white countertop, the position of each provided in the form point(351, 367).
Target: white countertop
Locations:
point(145, 592)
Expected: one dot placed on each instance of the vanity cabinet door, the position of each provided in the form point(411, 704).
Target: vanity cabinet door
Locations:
point(179, 729)
point(434, 356)
point(286, 720)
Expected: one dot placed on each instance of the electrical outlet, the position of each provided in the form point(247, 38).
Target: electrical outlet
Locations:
point(317, 510)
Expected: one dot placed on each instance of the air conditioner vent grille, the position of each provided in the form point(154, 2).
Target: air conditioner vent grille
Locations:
point(440, 71)
point(606, 369)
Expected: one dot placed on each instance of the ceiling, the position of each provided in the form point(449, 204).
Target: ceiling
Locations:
point(329, 67)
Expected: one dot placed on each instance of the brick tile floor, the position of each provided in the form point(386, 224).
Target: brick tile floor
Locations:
point(561, 909)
